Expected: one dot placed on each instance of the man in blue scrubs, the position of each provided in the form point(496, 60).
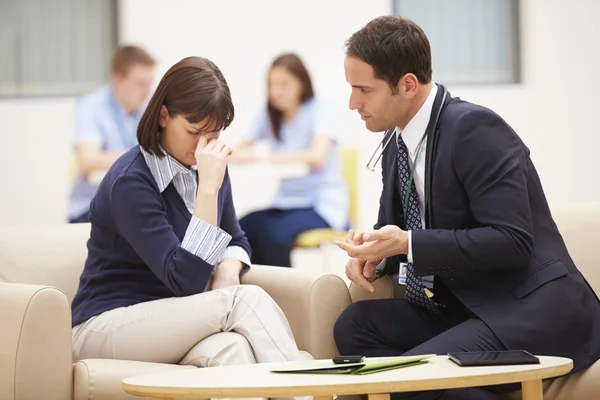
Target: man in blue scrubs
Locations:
point(106, 122)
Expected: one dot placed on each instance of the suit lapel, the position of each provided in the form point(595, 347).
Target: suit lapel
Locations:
point(432, 140)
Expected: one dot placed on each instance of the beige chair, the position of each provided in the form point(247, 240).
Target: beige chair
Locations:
point(39, 272)
point(579, 224)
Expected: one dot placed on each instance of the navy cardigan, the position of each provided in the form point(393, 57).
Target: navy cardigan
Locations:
point(134, 250)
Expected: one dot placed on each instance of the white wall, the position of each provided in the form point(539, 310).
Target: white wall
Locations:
point(554, 111)
point(34, 159)
point(551, 110)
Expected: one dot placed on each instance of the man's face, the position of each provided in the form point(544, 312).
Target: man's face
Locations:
point(134, 87)
point(372, 97)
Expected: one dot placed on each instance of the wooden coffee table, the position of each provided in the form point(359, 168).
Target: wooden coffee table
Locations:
point(257, 381)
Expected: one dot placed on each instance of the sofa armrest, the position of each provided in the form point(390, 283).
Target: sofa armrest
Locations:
point(35, 343)
point(386, 287)
point(311, 302)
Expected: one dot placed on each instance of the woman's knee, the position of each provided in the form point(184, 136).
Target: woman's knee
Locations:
point(252, 293)
point(223, 348)
point(232, 349)
point(257, 299)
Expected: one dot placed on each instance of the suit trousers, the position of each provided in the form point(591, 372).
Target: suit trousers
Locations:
point(395, 327)
point(233, 325)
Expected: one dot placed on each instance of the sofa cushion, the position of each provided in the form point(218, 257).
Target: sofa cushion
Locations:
point(578, 224)
point(582, 385)
point(100, 379)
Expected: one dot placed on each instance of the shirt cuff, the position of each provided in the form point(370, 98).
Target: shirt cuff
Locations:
point(239, 254)
point(409, 257)
point(205, 241)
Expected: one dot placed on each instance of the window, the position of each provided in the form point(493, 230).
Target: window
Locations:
point(472, 41)
point(55, 47)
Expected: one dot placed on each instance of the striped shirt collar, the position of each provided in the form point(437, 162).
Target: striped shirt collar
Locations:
point(164, 169)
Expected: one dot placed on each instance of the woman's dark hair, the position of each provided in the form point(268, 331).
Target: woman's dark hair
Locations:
point(296, 67)
point(194, 88)
point(393, 46)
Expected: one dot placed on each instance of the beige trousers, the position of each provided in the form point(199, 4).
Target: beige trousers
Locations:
point(234, 325)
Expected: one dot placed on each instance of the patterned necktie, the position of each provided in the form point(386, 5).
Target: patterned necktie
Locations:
point(415, 292)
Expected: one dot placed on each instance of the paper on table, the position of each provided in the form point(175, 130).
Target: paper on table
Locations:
point(367, 366)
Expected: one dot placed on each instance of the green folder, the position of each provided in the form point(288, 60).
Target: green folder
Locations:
point(367, 366)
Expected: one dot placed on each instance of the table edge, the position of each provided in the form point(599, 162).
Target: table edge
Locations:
point(350, 388)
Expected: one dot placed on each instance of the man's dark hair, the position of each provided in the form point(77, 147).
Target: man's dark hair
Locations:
point(393, 46)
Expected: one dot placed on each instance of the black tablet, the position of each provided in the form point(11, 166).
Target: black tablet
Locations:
point(504, 357)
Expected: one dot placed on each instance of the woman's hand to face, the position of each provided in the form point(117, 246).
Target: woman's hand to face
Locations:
point(211, 160)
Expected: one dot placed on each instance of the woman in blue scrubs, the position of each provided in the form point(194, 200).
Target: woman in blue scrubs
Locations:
point(298, 130)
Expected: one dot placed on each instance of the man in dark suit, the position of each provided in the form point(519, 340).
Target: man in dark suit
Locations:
point(463, 220)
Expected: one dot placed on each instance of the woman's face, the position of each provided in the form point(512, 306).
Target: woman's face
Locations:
point(180, 137)
point(284, 89)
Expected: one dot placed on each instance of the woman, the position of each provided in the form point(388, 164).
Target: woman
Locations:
point(163, 225)
point(298, 131)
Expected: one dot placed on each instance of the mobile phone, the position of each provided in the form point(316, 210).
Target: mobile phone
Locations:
point(347, 359)
point(503, 357)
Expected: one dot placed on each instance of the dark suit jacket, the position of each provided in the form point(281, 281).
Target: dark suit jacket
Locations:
point(491, 240)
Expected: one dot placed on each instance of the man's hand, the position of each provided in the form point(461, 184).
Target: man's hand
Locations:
point(388, 241)
point(227, 274)
point(358, 270)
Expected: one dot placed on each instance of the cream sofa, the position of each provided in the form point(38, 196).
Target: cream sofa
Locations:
point(579, 224)
point(39, 272)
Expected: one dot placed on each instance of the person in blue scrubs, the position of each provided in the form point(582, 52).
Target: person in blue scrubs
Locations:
point(299, 130)
point(106, 121)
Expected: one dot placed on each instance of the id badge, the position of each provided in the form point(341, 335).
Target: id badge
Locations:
point(402, 274)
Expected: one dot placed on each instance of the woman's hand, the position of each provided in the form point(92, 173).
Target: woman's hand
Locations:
point(227, 274)
point(211, 160)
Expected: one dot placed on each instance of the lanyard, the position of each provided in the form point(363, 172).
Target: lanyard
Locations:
point(412, 172)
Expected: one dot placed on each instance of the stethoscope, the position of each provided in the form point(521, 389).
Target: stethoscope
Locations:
point(380, 149)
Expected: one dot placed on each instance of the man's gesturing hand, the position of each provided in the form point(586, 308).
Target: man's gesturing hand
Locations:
point(358, 270)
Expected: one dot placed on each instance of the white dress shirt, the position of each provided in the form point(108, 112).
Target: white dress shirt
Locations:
point(201, 238)
point(411, 135)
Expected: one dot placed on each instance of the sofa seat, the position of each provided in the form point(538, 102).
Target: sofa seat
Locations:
point(100, 379)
